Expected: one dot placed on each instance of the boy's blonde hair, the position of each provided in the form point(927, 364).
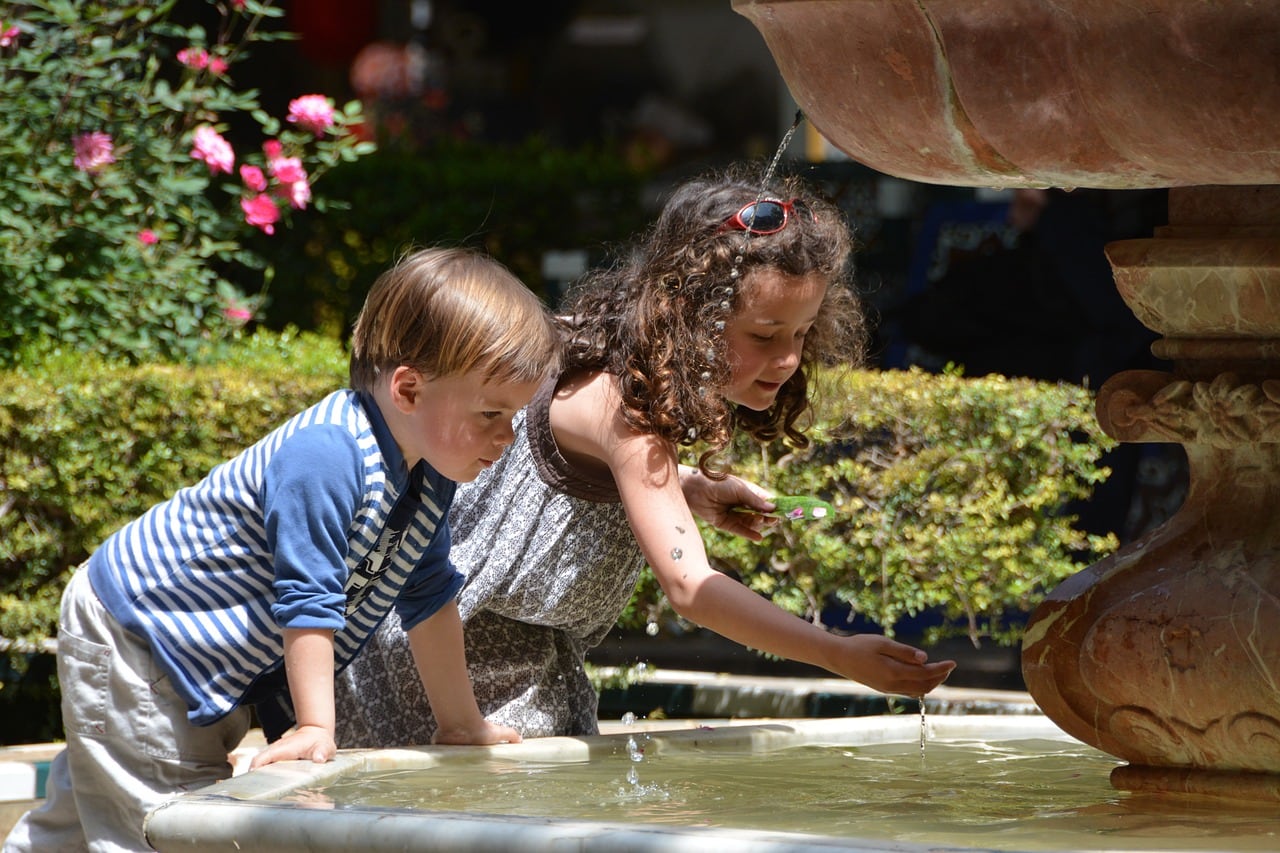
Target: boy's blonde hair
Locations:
point(449, 311)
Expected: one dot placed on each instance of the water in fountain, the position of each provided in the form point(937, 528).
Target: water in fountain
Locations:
point(1029, 794)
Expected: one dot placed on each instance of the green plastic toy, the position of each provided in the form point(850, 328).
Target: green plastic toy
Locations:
point(797, 508)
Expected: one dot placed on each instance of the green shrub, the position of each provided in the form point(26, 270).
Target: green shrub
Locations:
point(952, 496)
point(117, 234)
point(950, 493)
point(87, 444)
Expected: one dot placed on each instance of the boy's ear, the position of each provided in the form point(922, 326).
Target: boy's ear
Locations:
point(403, 387)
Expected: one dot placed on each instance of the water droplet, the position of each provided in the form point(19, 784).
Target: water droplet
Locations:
point(651, 629)
point(676, 553)
point(628, 719)
point(719, 324)
point(633, 776)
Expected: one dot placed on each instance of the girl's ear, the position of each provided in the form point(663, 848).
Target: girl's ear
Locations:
point(403, 387)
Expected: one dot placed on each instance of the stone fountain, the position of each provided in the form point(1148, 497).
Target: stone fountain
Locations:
point(1166, 654)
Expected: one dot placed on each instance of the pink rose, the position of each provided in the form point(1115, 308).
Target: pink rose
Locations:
point(298, 193)
point(212, 150)
point(261, 212)
point(218, 65)
point(273, 149)
point(9, 36)
point(253, 178)
point(93, 151)
point(287, 170)
point(311, 112)
point(194, 57)
point(147, 237)
point(237, 315)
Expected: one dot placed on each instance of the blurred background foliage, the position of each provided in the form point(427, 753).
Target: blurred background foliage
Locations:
point(515, 202)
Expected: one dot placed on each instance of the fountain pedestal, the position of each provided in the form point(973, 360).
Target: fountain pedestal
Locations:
point(1167, 654)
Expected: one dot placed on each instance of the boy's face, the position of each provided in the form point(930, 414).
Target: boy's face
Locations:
point(459, 424)
point(766, 335)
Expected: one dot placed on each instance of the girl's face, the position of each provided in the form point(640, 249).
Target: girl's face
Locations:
point(459, 424)
point(766, 336)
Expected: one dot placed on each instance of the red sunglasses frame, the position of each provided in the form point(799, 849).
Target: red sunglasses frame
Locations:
point(788, 208)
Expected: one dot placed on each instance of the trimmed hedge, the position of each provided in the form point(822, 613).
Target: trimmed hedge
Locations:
point(86, 445)
point(950, 492)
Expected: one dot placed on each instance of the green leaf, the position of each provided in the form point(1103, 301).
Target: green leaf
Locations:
point(801, 508)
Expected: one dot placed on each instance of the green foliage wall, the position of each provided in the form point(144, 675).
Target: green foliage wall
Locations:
point(950, 492)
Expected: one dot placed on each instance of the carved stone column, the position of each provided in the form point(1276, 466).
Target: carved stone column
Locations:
point(1167, 654)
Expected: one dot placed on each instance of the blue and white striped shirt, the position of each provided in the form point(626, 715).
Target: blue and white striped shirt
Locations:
point(318, 525)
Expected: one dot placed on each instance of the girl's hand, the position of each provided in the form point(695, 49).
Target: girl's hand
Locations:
point(721, 503)
point(481, 734)
point(307, 743)
point(888, 666)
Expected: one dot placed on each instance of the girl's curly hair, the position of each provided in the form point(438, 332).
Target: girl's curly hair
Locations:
point(655, 317)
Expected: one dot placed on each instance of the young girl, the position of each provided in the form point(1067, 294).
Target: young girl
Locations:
point(273, 570)
point(709, 325)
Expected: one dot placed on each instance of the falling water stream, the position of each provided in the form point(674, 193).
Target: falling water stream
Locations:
point(924, 728)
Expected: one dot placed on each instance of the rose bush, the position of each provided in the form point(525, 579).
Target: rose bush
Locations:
point(124, 202)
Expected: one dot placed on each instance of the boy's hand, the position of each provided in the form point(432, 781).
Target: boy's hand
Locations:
point(889, 666)
point(306, 743)
point(481, 734)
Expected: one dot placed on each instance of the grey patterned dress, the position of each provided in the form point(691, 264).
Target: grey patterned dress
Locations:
point(550, 563)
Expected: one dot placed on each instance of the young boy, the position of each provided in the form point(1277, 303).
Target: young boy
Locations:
point(257, 584)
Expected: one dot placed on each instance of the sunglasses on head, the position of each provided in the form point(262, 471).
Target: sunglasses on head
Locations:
point(766, 216)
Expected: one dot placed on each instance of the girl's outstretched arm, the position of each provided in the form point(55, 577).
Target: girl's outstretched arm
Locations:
point(589, 428)
point(646, 471)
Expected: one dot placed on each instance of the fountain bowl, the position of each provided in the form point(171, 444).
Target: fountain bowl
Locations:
point(1024, 93)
